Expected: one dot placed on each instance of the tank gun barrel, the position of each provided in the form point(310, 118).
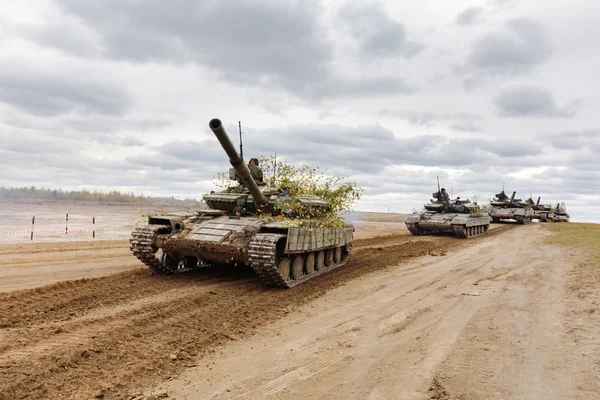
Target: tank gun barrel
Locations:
point(512, 198)
point(237, 162)
point(538, 201)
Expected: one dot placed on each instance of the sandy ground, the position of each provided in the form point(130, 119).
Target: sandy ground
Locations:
point(478, 323)
point(501, 316)
point(57, 257)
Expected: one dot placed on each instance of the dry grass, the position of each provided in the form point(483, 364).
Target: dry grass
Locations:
point(578, 235)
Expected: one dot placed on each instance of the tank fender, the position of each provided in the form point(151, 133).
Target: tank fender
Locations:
point(412, 218)
point(175, 221)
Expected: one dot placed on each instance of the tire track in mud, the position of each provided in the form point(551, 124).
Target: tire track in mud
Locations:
point(413, 328)
point(122, 331)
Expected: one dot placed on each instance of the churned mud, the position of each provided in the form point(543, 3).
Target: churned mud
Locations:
point(513, 314)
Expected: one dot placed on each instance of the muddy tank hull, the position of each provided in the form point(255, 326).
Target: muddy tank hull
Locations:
point(282, 254)
point(461, 225)
point(561, 218)
point(520, 215)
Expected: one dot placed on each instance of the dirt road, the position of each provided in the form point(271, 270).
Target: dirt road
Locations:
point(28, 264)
point(500, 316)
point(491, 320)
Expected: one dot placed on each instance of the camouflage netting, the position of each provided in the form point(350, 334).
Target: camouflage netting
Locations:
point(304, 182)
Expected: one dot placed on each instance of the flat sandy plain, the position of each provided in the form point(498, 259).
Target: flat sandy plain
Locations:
point(511, 315)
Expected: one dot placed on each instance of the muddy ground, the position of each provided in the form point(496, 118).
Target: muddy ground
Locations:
point(508, 315)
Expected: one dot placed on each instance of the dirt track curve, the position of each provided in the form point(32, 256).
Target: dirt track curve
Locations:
point(408, 317)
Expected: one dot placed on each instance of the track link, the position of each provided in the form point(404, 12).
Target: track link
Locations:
point(418, 231)
point(469, 232)
point(263, 260)
point(141, 246)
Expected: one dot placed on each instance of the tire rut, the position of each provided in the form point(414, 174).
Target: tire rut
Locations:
point(122, 331)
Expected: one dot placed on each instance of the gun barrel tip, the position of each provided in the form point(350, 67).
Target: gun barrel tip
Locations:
point(214, 123)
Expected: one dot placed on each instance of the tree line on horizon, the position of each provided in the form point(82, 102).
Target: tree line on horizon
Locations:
point(114, 196)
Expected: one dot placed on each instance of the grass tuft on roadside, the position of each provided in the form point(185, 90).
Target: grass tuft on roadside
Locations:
point(578, 235)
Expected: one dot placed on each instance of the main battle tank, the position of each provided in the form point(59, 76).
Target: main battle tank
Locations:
point(560, 214)
point(461, 217)
point(542, 213)
point(504, 207)
point(251, 224)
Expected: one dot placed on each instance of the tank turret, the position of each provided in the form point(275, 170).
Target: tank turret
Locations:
point(260, 200)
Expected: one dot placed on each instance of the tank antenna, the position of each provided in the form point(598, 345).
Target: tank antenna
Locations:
point(241, 147)
point(451, 192)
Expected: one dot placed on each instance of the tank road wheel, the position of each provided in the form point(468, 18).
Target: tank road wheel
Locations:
point(320, 260)
point(298, 266)
point(309, 263)
point(346, 250)
point(170, 263)
point(328, 257)
point(283, 267)
point(337, 255)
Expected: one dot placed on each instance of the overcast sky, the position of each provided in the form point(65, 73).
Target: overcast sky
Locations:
point(117, 94)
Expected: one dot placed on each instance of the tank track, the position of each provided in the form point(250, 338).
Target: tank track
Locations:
point(469, 232)
point(460, 231)
point(141, 246)
point(263, 260)
point(418, 231)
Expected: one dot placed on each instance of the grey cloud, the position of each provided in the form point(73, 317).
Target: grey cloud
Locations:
point(45, 93)
point(255, 43)
point(429, 118)
point(372, 148)
point(529, 101)
point(465, 127)
point(82, 128)
point(72, 37)
point(378, 35)
point(469, 16)
point(516, 50)
point(573, 139)
point(132, 141)
point(346, 87)
point(32, 145)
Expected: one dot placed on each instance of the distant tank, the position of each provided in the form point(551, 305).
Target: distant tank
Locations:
point(284, 251)
point(541, 212)
point(503, 207)
point(560, 214)
point(460, 217)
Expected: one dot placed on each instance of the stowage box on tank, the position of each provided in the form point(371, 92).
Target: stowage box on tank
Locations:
point(461, 217)
point(283, 252)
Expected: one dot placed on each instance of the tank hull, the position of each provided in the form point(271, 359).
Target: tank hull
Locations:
point(520, 215)
point(283, 254)
point(461, 225)
point(561, 218)
point(543, 216)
